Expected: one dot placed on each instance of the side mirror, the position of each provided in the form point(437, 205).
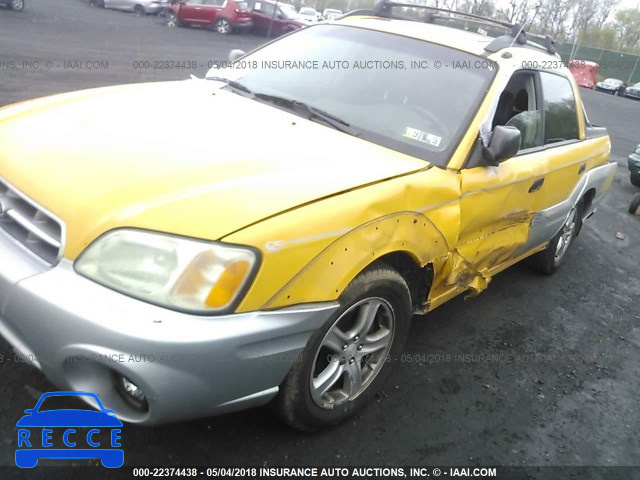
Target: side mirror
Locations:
point(505, 143)
point(29, 411)
point(235, 54)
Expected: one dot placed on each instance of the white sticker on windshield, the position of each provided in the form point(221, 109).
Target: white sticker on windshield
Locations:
point(412, 133)
point(433, 140)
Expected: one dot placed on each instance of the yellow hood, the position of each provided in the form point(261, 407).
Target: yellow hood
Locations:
point(180, 157)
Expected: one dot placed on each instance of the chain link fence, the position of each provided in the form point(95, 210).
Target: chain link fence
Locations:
point(624, 66)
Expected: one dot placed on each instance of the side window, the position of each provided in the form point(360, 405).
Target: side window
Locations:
point(194, 2)
point(560, 113)
point(519, 107)
point(264, 8)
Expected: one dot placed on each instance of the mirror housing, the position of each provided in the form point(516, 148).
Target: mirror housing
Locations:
point(504, 144)
point(235, 54)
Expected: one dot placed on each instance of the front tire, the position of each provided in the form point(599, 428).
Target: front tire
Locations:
point(139, 10)
point(346, 361)
point(172, 20)
point(222, 26)
point(635, 205)
point(551, 258)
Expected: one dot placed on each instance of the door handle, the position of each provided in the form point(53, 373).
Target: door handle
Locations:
point(537, 185)
point(582, 168)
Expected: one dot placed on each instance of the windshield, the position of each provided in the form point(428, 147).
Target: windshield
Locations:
point(307, 11)
point(611, 80)
point(383, 86)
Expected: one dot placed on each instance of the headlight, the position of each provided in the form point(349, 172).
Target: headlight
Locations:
point(171, 271)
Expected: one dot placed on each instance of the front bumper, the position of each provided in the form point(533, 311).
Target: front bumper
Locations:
point(632, 93)
point(605, 89)
point(80, 334)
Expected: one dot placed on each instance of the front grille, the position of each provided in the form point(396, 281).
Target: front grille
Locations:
point(30, 224)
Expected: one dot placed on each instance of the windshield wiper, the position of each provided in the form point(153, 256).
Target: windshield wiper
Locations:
point(311, 113)
point(233, 84)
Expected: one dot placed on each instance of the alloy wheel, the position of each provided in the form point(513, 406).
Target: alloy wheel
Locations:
point(223, 26)
point(352, 353)
point(568, 231)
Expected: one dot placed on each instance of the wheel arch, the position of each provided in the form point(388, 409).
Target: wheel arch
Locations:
point(588, 197)
point(419, 278)
point(406, 241)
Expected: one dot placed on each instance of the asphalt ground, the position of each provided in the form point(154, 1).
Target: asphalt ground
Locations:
point(535, 371)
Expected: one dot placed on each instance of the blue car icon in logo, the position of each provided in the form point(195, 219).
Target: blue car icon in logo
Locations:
point(84, 433)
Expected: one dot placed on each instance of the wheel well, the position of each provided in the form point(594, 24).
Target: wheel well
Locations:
point(418, 278)
point(588, 198)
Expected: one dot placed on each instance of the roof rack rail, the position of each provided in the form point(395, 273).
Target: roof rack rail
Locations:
point(515, 32)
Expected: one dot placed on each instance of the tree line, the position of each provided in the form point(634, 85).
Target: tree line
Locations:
point(596, 23)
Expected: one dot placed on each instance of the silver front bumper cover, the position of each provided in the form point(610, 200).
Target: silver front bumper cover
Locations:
point(79, 333)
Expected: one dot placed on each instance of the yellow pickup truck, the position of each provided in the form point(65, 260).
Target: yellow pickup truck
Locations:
point(301, 206)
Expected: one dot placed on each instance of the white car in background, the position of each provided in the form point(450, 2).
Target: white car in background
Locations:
point(308, 15)
point(140, 7)
point(331, 13)
point(612, 86)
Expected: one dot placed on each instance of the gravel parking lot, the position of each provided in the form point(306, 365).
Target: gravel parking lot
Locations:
point(535, 371)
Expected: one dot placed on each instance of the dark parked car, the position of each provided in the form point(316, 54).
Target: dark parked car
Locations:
point(224, 16)
point(634, 167)
point(612, 86)
point(16, 5)
point(285, 19)
point(633, 91)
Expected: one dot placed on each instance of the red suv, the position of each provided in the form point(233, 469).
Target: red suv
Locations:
point(223, 15)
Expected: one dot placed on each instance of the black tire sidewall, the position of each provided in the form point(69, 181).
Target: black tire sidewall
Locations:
point(635, 204)
point(384, 283)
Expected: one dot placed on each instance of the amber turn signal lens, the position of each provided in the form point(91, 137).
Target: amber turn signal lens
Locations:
point(228, 284)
